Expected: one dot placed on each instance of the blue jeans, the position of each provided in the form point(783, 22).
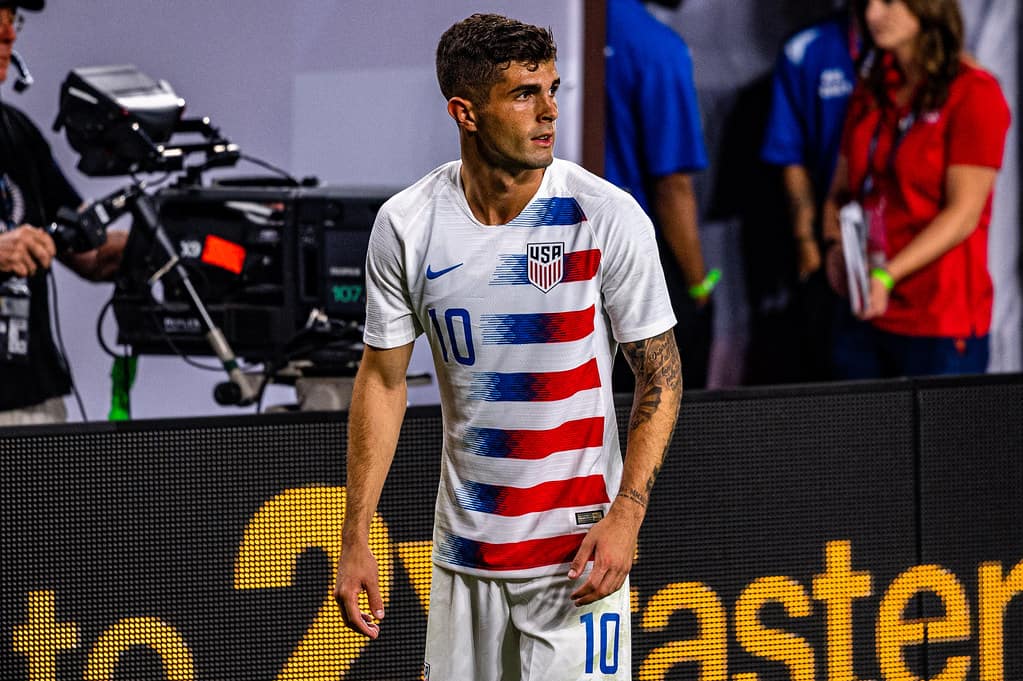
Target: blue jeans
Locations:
point(862, 351)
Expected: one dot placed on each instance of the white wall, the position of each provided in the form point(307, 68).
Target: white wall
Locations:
point(342, 90)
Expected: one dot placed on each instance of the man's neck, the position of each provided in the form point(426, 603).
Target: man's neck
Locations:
point(496, 196)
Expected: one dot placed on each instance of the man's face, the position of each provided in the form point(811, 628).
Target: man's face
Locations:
point(515, 128)
point(8, 34)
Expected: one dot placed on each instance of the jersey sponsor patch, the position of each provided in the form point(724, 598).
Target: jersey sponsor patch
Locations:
point(545, 264)
point(589, 517)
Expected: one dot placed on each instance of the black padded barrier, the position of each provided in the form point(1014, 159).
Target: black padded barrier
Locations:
point(812, 532)
point(971, 475)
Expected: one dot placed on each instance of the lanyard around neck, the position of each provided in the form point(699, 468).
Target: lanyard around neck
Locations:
point(901, 130)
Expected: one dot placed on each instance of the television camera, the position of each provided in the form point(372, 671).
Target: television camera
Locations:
point(269, 270)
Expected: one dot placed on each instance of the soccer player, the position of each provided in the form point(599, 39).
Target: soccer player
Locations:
point(525, 272)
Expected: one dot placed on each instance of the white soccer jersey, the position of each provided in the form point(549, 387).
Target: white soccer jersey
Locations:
point(523, 320)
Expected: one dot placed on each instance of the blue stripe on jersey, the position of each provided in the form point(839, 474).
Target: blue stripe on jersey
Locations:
point(496, 387)
point(492, 442)
point(459, 551)
point(541, 327)
point(476, 496)
point(556, 211)
point(510, 271)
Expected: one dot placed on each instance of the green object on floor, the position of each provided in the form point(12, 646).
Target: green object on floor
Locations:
point(122, 377)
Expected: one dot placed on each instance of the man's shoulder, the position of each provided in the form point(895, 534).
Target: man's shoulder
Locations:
point(816, 40)
point(571, 179)
point(19, 121)
point(423, 191)
point(632, 27)
point(602, 203)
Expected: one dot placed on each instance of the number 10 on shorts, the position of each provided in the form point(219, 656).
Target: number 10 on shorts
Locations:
point(608, 632)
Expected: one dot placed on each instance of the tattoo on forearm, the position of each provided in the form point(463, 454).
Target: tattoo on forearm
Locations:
point(653, 475)
point(633, 495)
point(656, 364)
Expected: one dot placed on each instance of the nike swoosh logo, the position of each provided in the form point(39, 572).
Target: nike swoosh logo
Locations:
point(431, 274)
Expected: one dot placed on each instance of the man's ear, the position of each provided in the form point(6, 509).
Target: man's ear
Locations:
point(464, 113)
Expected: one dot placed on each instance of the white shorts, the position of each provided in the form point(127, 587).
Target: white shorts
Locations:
point(482, 629)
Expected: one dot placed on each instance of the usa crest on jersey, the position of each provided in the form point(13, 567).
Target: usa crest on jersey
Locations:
point(545, 265)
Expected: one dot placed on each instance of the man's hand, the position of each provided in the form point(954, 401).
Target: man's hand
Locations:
point(24, 250)
point(808, 257)
point(611, 544)
point(356, 573)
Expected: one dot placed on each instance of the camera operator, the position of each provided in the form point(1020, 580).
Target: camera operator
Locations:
point(33, 375)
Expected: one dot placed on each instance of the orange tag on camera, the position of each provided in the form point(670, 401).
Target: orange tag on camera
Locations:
point(223, 253)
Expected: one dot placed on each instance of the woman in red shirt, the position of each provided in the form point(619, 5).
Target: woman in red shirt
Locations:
point(922, 145)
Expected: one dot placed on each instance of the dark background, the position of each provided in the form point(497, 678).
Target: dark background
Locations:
point(146, 520)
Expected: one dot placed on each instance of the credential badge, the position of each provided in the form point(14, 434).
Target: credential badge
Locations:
point(546, 265)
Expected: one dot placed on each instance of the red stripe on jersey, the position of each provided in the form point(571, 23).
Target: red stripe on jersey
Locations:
point(539, 444)
point(581, 265)
point(559, 385)
point(532, 553)
point(587, 491)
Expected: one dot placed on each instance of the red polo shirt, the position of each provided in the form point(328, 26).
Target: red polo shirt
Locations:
point(953, 295)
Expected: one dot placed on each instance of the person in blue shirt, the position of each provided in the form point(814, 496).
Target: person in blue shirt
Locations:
point(813, 80)
point(653, 143)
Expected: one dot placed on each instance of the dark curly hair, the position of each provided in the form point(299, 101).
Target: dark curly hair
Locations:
point(938, 51)
point(472, 53)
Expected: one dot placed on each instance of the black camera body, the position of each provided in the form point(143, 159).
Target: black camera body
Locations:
point(119, 120)
point(78, 232)
point(262, 259)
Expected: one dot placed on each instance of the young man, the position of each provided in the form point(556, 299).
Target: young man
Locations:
point(525, 272)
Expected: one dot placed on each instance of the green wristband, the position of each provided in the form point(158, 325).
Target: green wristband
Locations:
point(703, 289)
point(884, 277)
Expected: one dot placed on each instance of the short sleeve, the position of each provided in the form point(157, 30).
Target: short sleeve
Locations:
point(785, 136)
point(390, 319)
point(632, 283)
point(668, 106)
point(978, 124)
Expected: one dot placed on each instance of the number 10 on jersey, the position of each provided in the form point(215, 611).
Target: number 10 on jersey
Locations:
point(460, 342)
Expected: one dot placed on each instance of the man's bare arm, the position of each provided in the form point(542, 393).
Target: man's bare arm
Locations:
point(612, 542)
point(658, 370)
point(803, 214)
point(675, 210)
point(374, 422)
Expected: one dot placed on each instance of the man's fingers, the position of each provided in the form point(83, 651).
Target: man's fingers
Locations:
point(597, 588)
point(581, 557)
point(589, 588)
point(40, 250)
point(354, 619)
point(376, 603)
